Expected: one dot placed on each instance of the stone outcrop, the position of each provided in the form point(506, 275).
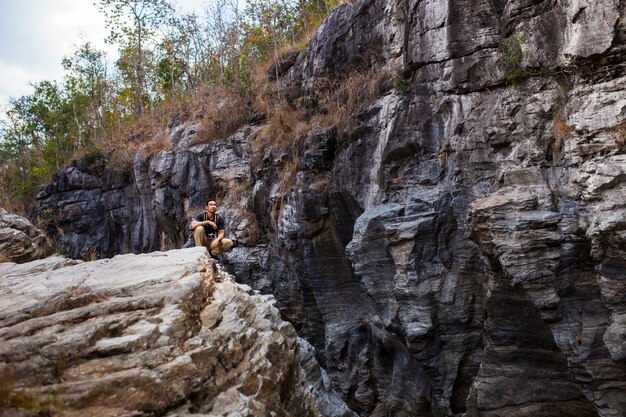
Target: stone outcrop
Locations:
point(461, 250)
point(143, 208)
point(20, 240)
point(167, 333)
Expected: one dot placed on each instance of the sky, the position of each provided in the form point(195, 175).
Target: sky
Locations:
point(35, 35)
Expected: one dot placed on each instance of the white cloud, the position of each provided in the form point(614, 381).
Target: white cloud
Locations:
point(15, 80)
point(19, 84)
point(76, 19)
point(37, 34)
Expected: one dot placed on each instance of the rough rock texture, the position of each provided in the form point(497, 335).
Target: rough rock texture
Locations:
point(167, 333)
point(145, 209)
point(462, 250)
point(20, 241)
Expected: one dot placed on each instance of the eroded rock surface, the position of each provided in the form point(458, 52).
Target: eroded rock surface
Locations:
point(167, 333)
point(460, 251)
point(20, 240)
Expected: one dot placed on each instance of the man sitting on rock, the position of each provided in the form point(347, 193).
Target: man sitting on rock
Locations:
point(208, 230)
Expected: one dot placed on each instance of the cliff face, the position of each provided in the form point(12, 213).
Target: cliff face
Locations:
point(166, 333)
point(461, 250)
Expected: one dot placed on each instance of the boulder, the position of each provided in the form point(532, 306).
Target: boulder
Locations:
point(20, 240)
point(168, 333)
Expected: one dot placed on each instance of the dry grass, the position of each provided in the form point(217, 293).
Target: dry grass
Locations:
point(140, 136)
point(287, 182)
point(90, 255)
point(561, 129)
point(253, 232)
point(443, 157)
point(348, 97)
point(260, 73)
point(620, 135)
point(561, 132)
point(301, 44)
point(121, 159)
point(238, 192)
point(222, 110)
point(239, 195)
point(7, 202)
point(27, 399)
point(157, 144)
point(285, 125)
point(132, 134)
point(217, 109)
point(336, 105)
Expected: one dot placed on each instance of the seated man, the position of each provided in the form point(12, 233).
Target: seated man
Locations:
point(208, 230)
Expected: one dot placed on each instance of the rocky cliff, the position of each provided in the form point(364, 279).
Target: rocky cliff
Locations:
point(167, 333)
point(458, 250)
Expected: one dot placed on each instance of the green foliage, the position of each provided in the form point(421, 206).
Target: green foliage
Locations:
point(401, 84)
point(87, 86)
point(515, 77)
point(163, 57)
point(132, 24)
point(93, 159)
point(169, 74)
point(512, 57)
point(42, 131)
point(513, 53)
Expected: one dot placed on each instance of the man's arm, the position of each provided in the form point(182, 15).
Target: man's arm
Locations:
point(195, 223)
point(220, 232)
point(218, 239)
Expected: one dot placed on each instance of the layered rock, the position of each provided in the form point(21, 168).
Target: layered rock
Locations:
point(143, 207)
point(168, 333)
point(460, 251)
point(20, 240)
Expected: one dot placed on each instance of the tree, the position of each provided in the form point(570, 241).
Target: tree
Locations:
point(37, 138)
point(87, 86)
point(180, 51)
point(132, 23)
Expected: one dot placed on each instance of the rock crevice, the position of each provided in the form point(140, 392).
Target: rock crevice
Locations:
point(460, 252)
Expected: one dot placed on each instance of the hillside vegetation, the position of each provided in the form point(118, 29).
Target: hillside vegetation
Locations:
point(192, 66)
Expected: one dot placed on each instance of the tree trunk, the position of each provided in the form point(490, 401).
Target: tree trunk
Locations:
point(138, 70)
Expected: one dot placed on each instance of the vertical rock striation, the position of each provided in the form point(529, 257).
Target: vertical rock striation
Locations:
point(461, 251)
point(143, 207)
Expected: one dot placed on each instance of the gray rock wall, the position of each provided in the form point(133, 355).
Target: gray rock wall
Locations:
point(145, 208)
point(462, 251)
point(166, 333)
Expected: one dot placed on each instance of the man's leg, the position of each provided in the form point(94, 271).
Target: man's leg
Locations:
point(200, 239)
point(224, 246)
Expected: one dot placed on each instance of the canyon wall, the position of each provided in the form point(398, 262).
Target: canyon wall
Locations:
point(461, 249)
